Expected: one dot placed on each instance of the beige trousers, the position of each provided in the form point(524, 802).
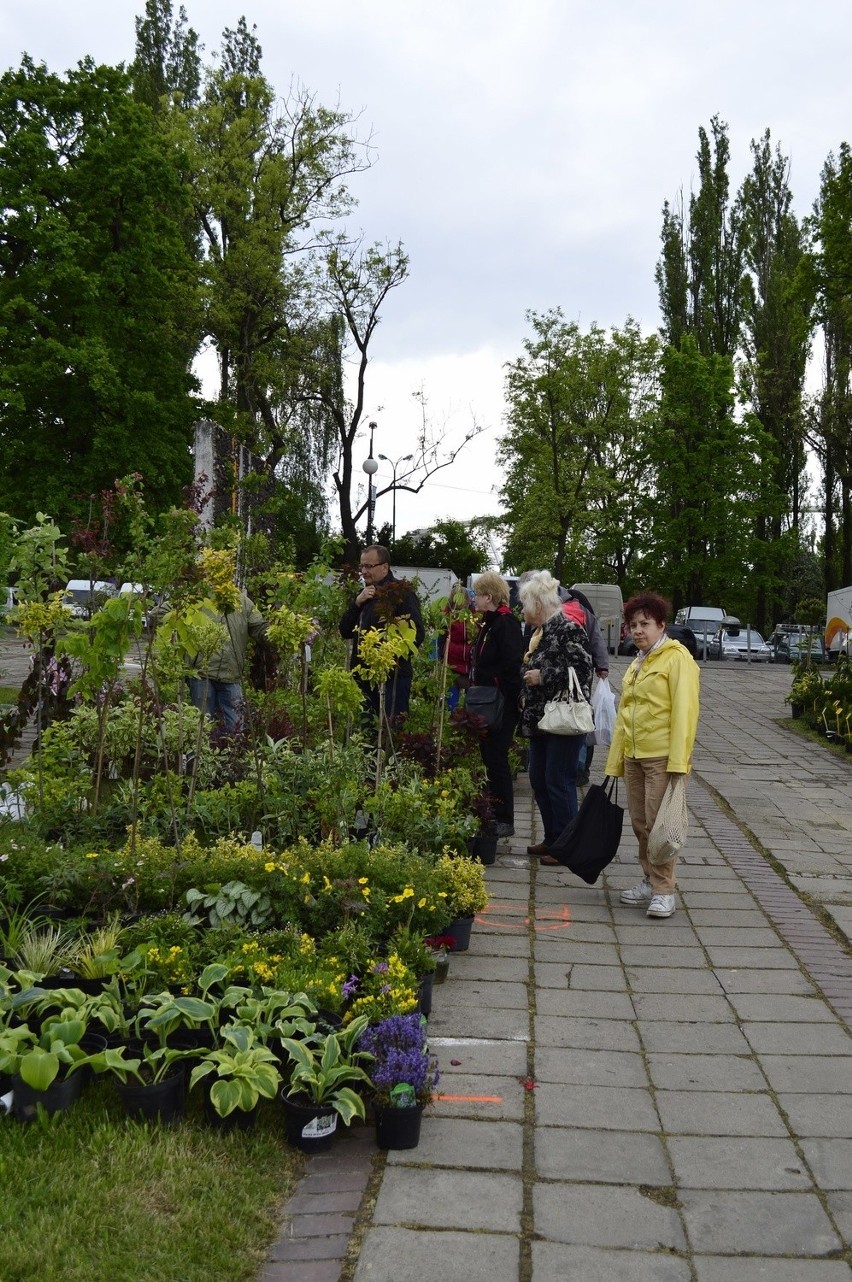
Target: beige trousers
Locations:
point(645, 780)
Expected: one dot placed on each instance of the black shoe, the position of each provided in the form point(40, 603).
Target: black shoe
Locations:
point(582, 779)
point(505, 830)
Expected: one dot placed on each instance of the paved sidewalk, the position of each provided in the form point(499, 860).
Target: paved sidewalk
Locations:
point(629, 1100)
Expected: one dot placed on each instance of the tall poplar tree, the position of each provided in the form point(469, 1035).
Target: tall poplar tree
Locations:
point(776, 341)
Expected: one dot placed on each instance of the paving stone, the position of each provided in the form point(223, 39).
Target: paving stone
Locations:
point(789, 982)
point(735, 916)
point(756, 958)
point(716, 1268)
point(746, 936)
point(614, 1157)
point(571, 951)
point(312, 1248)
point(840, 1206)
point(489, 1056)
point(621, 1108)
point(404, 1255)
point(660, 955)
point(757, 1223)
point(811, 1115)
point(586, 1067)
point(601, 1034)
point(466, 1095)
point(568, 1004)
point(450, 1199)
point(830, 1161)
point(653, 979)
point(486, 968)
point(729, 1162)
point(495, 994)
point(673, 932)
point(460, 1141)
point(811, 1073)
point(692, 1007)
point(798, 1039)
point(596, 1215)
point(552, 1263)
point(508, 1025)
point(596, 978)
point(692, 1038)
point(704, 1072)
point(302, 1271)
point(773, 1008)
point(719, 1113)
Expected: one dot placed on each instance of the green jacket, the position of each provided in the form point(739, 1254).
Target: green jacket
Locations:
point(227, 663)
point(658, 712)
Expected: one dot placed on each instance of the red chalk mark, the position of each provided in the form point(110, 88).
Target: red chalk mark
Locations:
point(546, 919)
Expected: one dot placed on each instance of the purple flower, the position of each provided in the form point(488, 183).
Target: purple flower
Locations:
point(380, 968)
point(350, 986)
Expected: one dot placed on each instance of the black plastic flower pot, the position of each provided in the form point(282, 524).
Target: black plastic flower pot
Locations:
point(237, 1120)
point(308, 1126)
point(398, 1128)
point(61, 1095)
point(459, 931)
point(154, 1101)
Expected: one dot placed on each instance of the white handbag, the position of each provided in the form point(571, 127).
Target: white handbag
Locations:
point(669, 831)
point(571, 713)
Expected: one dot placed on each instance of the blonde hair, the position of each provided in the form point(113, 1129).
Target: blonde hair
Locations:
point(540, 592)
point(490, 584)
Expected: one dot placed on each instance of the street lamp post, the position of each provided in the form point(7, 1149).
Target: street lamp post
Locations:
point(371, 467)
point(406, 458)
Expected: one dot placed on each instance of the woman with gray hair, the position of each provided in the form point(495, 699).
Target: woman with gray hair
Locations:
point(557, 644)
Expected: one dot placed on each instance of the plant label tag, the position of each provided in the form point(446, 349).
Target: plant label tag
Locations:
point(319, 1127)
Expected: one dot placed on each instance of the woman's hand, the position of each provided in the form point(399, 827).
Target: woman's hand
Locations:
point(532, 677)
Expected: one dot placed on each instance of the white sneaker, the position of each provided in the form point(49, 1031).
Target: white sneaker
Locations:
point(638, 895)
point(661, 906)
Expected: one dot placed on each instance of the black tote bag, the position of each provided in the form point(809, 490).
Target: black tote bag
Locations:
point(591, 839)
point(487, 702)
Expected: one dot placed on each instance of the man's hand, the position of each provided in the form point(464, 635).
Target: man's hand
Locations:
point(366, 594)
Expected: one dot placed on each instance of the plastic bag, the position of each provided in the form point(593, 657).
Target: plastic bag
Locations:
point(603, 706)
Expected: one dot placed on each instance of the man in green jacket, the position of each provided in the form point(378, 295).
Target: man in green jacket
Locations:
point(218, 690)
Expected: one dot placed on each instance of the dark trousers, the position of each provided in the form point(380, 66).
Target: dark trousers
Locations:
point(553, 776)
point(397, 697)
point(495, 757)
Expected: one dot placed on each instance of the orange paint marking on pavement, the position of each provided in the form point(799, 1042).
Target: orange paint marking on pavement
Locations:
point(548, 919)
point(472, 1099)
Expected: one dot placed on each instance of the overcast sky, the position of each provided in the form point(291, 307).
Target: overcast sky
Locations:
point(523, 154)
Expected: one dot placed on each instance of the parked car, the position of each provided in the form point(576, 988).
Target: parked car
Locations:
point(739, 643)
point(790, 647)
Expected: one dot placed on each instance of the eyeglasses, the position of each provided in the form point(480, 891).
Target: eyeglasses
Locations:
point(370, 565)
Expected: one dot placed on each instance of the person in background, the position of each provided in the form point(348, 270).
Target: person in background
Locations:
point(556, 645)
point(456, 641)
point(496, 661)
point(382, 598)
point(578, 607)
point(217, 690)
point(653, 738)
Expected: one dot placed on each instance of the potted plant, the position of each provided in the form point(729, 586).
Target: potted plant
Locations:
point(404, 1077)
point(463, 883)
point(324, 1072)
point(245, 1070)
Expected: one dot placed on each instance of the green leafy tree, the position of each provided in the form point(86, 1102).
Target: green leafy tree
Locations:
point(776, 334)
point(831, 417)
point(98, 299)
point(168, 57)
point(580, 406)
point(460, 546)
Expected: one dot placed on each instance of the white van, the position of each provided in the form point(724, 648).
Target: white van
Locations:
point(705, 621)
point(82, 597)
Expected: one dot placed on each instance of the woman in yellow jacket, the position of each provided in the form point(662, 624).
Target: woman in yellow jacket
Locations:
point(653, 737)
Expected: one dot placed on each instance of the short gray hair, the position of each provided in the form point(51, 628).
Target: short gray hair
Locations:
point(540, 591)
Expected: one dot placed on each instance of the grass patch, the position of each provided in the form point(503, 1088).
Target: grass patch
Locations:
point(9, 694)
point(90, 1194)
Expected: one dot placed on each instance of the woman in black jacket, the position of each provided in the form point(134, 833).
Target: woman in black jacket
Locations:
point(496, 661)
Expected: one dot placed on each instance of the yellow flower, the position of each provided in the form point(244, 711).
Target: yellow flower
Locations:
point(362, 881)
point(421, 903)
point(270, 865)
point(92, 854)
